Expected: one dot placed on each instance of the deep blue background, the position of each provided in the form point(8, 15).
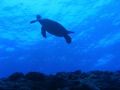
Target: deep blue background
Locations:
point(95, 43)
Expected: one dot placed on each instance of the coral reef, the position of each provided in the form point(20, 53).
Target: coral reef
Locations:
point(93, 80)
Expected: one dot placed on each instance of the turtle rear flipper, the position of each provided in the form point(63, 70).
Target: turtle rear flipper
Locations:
point(67, 38)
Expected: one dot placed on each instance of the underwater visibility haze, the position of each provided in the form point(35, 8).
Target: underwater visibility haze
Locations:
point(95, 44)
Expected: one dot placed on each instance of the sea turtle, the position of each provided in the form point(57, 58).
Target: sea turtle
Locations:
point(53, 27)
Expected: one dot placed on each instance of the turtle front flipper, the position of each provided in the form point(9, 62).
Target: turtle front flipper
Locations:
point(43, 32)
point(33, 21)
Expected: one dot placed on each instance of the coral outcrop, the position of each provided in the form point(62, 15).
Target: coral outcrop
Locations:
point(93, 80)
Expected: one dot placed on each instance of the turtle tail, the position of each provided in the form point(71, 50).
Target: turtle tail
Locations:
point(70, 32)
point(38, 18)
point(67, 38)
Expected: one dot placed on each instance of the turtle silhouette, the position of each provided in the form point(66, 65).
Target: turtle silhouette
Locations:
point(53, 27)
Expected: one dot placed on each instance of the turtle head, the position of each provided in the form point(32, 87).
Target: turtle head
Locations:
point(38, 17)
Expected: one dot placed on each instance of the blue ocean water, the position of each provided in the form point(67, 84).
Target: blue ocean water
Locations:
point(95, 43)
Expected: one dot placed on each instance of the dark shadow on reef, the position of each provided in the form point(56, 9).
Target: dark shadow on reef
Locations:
point(93, 80)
